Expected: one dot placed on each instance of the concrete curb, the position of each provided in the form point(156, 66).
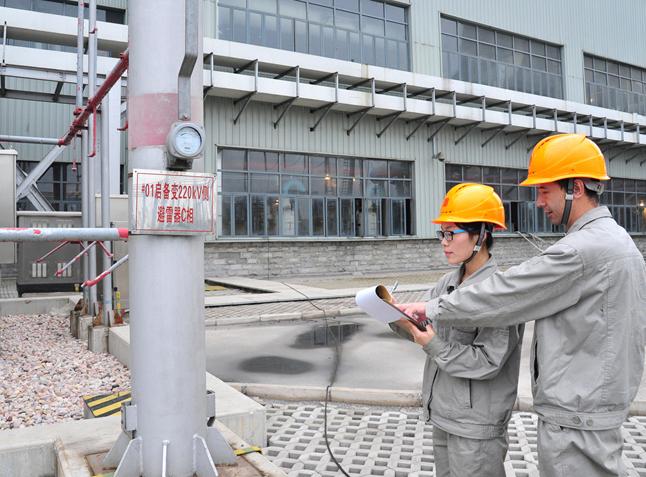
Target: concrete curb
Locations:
point(292, 316)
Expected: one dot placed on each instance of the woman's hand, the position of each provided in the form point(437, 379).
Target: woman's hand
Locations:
point(414, 310)
point(422, 338)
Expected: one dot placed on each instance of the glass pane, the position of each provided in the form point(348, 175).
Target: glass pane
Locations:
point(449, 43)
point(467, 46)
point(490, 175)
point(303, 216)
point(271, 31)
point(350, 187)
point(268, 6)
point(467, 30)
point(347, 218)
point(293, 8)
point(355, 47)
point(369, 54)
point(318, 217)
point(328, 42)
point(553, 52)
point(226, 215)
point(352, 5)
point(315, 39)
point(521, 44)
point(554, 67)
point(396, 30)
point(504, 39)
point(322, 166)
point(272, 215)
point(509, 176)
point(322, 15)
point(472, 174)
point(375, 188)
point(332, 227)
point(257, 215)
point(255, 28)
point(587, 61)
point(377, 168)
point(234, 182)
point(538, 63)
point(509, 192)
point(396, 13)
point(487, 51)
point(400, 189)
point(400, 169)
point(397, 213)
point(262, 161)
point(372, 26)
point(288, 212)
point(347, 20)
point(224, 23)
point(349, 167)
point(233, 160)
point(373, 218)
point(264, 183)
point(240, 26)
point(293, 163)
point(46, 6)
point(599, 64)
point(372, 7)
point(505, 55)
point(449, 26)
point(538, 47)
point(486, 35)
point(240, 215)
point(300, 37)
point(521, 59)
point(287, 34)
point(453, 172)
point(294, 185)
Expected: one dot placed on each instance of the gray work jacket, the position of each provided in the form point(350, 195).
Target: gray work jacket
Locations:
point(471, 374)
point(587, 294)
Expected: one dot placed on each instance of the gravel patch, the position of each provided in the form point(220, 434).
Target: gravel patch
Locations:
point(45, 372)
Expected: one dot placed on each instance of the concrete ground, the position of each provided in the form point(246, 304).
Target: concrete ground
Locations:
point(306, 343)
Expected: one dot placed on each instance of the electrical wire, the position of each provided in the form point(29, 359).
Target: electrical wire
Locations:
point(335, 368)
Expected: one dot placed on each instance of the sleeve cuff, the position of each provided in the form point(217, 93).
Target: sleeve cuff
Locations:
point(433, 347)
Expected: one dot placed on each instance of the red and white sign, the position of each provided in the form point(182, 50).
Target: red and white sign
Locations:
point(172, 202)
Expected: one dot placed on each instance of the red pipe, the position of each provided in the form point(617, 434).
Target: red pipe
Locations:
point(93, 102)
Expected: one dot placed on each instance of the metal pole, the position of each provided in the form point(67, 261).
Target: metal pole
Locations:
point(90, 162)
point(105, 207)
point(82, 141)
point(166, 272)
point(58, 234)
point(29, 139)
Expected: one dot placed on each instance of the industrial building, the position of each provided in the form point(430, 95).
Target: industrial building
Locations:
point(336, 126)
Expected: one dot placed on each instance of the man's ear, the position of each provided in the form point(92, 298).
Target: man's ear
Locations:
point(579, 188)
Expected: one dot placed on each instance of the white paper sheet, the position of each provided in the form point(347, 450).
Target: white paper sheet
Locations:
point(377, 302)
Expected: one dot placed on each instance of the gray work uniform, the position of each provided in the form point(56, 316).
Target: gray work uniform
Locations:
point(469, 388)
point(587, 295)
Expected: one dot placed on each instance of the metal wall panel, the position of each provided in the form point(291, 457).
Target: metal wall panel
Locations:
point(8, 202)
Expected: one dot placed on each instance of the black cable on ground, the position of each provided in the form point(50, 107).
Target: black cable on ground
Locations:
point(335, 368)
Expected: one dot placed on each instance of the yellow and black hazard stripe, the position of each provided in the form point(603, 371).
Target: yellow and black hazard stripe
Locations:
point(247, 450)
point(106, 404)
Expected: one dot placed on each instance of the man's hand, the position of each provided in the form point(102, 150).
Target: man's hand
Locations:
point(422, 338)
point(414, 310)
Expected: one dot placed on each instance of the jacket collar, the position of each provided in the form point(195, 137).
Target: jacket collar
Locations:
point(454, 280)
point(589, 216)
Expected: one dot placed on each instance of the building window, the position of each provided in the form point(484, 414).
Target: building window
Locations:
point(298, 195)
point(484, 55)
point(364, 31)
point(626, 199)
point(60, 185)
point(521, 213)
point(613, 85)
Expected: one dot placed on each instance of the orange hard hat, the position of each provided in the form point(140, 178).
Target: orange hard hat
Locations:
point(470, 202)
point(565, 156)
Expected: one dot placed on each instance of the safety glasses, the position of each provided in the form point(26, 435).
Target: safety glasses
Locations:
point(448, 234)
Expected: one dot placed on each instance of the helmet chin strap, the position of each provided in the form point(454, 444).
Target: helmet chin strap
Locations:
point(478, 244)
point(569, 196)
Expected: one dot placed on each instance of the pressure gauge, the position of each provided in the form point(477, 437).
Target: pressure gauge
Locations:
point(185, 142)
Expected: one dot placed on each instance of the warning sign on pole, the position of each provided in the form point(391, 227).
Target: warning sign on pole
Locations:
point(172, 202)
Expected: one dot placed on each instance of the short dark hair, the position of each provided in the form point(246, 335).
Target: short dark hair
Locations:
point(593, 196)
point(474, 229)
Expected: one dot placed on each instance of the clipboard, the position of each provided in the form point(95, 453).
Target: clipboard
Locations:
point(378, 303)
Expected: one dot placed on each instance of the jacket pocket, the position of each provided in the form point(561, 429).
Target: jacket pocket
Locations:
point(463, 393)
point(463, 335)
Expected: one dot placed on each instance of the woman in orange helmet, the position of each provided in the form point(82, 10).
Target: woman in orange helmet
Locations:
point(471, 374)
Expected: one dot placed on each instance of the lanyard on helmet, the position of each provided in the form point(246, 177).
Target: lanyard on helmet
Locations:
point(569, 196)
point(478, 244)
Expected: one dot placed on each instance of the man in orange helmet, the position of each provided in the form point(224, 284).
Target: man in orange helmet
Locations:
point(587, 295)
